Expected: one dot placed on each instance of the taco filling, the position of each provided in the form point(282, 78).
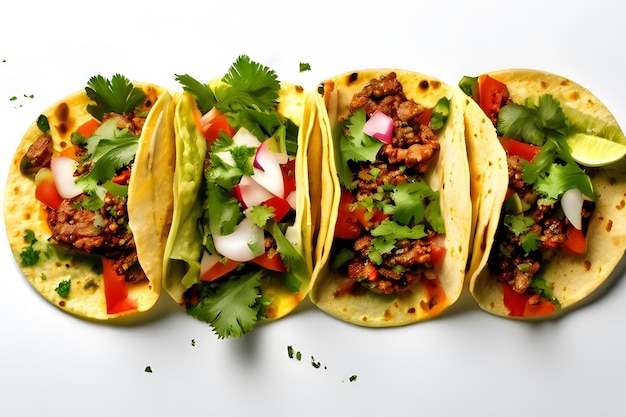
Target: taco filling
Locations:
point(246, 261)
point(550, 197)
point(83, 184)
point(389, 229)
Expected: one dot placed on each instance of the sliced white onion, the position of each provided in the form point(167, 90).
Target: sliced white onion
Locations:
point(63, 169)
point(243, 137)
point(244, 244)
point(251, 193)
point(267, 170)
point(379, 126)
point(572, 204)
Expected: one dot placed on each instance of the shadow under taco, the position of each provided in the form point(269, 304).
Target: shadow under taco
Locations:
point(238, 249)
point(394, 229)
point(82, 217)
point(557, 234)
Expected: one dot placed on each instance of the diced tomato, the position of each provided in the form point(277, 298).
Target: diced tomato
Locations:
point(517, 148)
point(115, 289)
point(46, 192)
point(346, 227)
point(212, 123)
point(280, 205)
point(576, 242)
point(492, 94)
point(88, 128)
point(518, 305)
point(424, 118)
point(122, 178)
point(218, 270)
point(272, 262)
point(289, 176)
point(369, 218)
point(438, 250)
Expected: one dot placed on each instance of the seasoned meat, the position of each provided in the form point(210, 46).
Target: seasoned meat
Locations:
point(102, 232)
point(38, 155)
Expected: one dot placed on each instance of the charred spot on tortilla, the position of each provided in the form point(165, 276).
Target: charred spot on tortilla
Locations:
point(352, 78)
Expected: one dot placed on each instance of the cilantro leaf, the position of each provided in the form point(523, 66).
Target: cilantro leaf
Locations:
point(387, 234)
point(247, 84)
point(518, 224)
point(353, 145)
point(560, 178)
point(223, 212)
point(534, 123)
point(117, 95)
point(232, 307)
point(261, 214)
point(108, 156)
point(293, 260)
point(205, 99)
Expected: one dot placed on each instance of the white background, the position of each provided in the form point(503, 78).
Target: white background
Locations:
point(466, 362)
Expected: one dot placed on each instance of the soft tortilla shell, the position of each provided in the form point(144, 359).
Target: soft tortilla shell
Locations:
point(23, 212)
point(573, 278)
point(450, 175)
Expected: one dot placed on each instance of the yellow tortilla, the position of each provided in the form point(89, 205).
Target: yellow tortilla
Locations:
point(23, 212)
point(449, 175)
point(572, 278)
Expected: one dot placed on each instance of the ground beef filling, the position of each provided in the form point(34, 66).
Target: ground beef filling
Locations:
point(511, 263)
point(104, 231)
point(410, 153)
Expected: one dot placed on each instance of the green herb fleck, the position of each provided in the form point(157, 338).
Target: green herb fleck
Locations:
point(63, 289)
point(193, 342)
point(353, 378)
point(43, 124)
point(316, 364)
point(148, 369)
point(305, 67)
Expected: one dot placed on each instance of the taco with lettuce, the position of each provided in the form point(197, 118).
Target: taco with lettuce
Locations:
point(558, 229)
point(394, 235)
point(237, 251)
point(82, 213)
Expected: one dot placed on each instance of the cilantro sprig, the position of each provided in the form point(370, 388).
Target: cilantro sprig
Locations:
point(115, 95)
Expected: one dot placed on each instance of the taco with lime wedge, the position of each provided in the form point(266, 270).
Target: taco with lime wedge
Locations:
point(394, 235)
point(558, 233)
point(237, 252)
point(82, 213)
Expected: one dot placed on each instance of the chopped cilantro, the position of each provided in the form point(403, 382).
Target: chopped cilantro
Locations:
point(63, 289)
point(29, 256)
point(117, 95)
point(316, 364)
point(290, 351)
point(518, 224)
point(43, 124)
point(148, 369)
point(352, 378)
point(305, 67)
point(193, 342)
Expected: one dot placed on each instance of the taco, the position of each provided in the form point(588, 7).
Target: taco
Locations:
point(394, 240)
point(237, 250)
point(78, 208)
point(558, 233)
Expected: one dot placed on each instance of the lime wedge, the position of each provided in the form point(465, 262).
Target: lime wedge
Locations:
point(594, 151)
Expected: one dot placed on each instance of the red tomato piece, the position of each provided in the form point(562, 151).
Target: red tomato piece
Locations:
point(576, 242)
point(219, 270)
point(280, 205)
point(46, 192)
point(115, 289)
point(347, 226)
point(492, 93)
point(272, 262)
point(212, 123)
point(88, 128)
point(438, 250)
point(289, 176)
point(517, 148)
point(518, 305)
